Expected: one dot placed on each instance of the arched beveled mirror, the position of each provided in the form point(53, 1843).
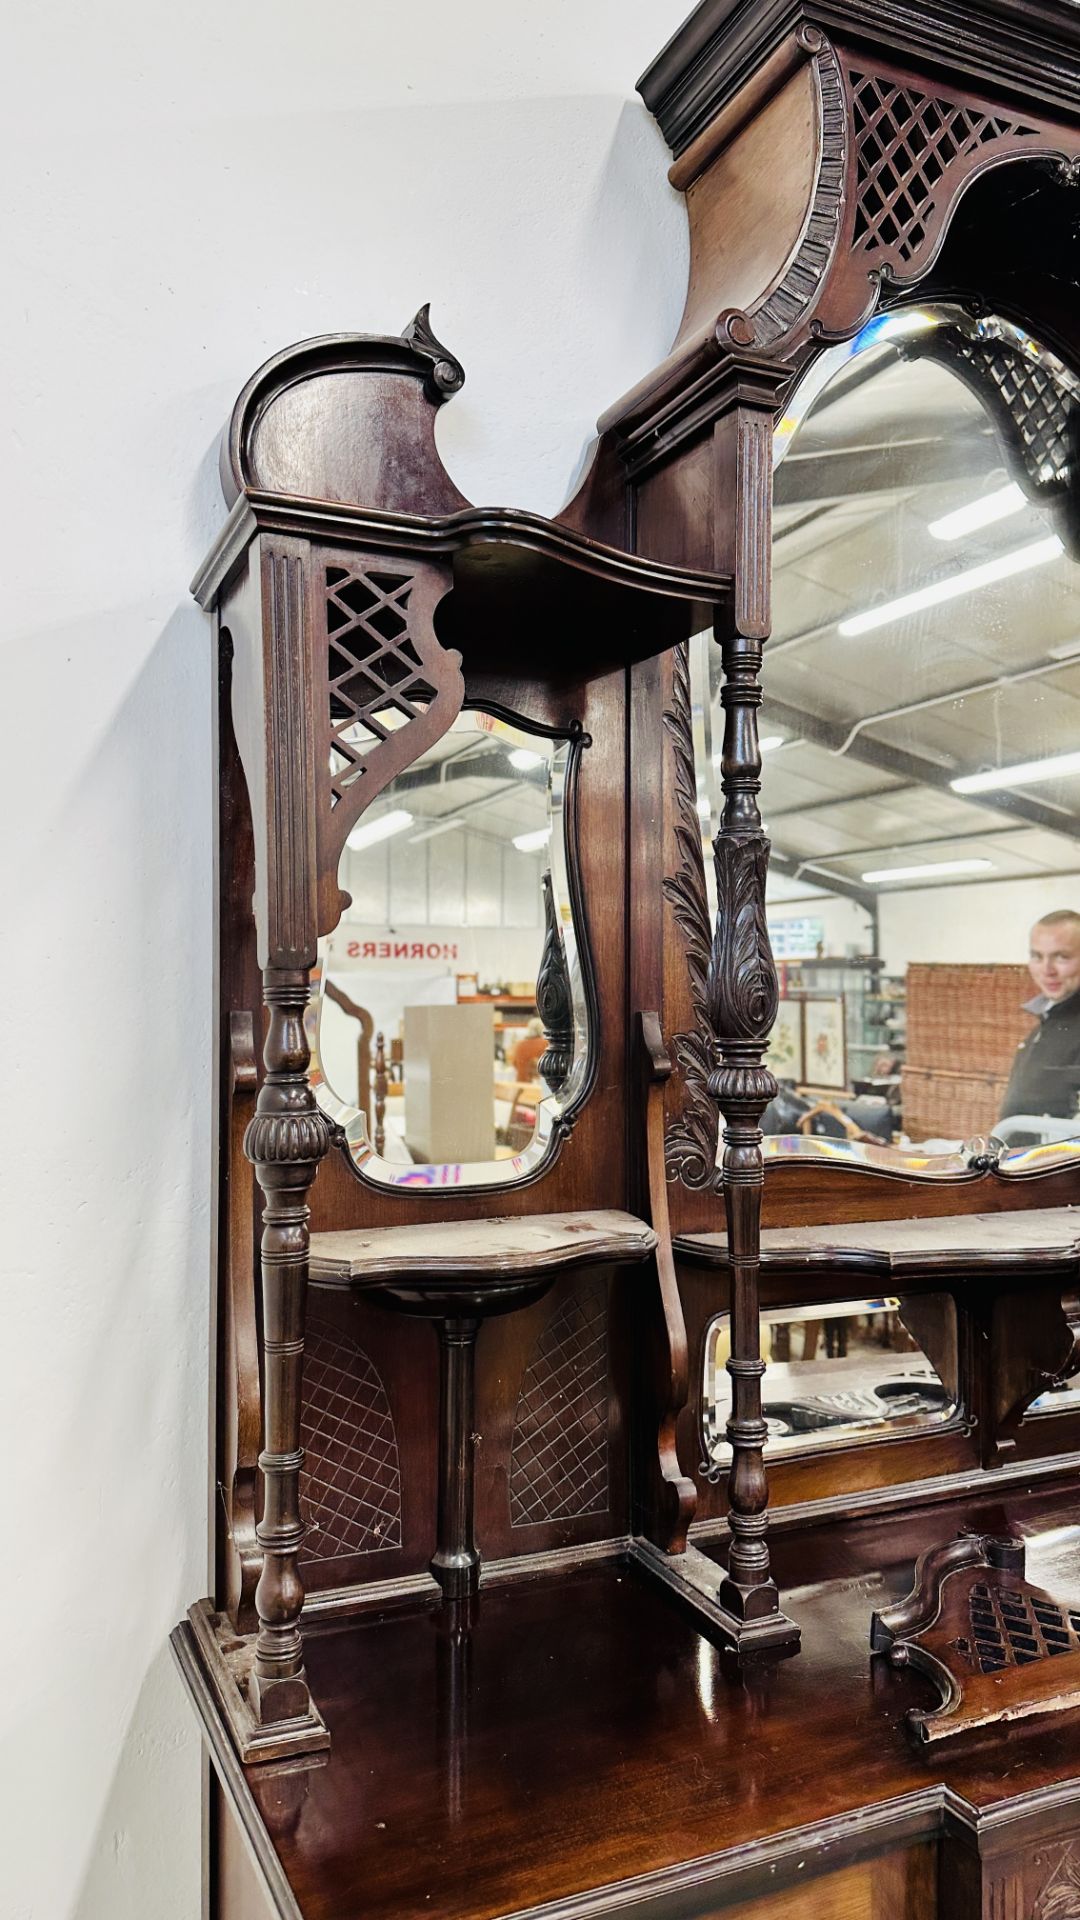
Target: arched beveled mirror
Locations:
point(921, 751)
point(455, 1016)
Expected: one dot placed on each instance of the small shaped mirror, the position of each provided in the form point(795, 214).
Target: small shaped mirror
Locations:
point(453, 1025)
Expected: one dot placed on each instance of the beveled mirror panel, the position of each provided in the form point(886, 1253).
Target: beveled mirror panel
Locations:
point(454, 1010)
point(854, 1370)
point(921, 751)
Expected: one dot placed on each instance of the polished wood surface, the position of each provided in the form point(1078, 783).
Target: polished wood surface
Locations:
point(1045, 1236)
point(476, 1249)
point(583, 1736)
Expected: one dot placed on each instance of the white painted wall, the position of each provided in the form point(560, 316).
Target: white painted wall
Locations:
point(189, 189)
point(845, 927)
point(987, 921)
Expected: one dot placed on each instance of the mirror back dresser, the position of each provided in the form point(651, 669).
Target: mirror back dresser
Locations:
point(647, 1297)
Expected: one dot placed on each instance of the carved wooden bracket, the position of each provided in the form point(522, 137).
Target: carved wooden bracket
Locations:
point(999, 1650)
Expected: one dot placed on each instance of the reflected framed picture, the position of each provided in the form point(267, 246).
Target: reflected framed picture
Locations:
point(824, 1042)
point(785, 1055)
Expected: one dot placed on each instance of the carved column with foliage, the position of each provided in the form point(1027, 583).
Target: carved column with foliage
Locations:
point(741, 984)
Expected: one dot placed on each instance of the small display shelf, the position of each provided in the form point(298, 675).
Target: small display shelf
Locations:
point(458, 1273)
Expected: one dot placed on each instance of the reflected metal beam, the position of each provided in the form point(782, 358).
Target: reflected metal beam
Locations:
point(914, 769)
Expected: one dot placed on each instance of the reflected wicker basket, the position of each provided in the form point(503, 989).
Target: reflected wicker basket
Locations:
point(965, 1019)
point(949, 1106)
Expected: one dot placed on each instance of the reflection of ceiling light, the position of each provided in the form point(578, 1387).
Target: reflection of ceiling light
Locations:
point(432, 833)
point(979, 513)
point(1035, 554)
point(524, 759)
point(532, 842)
point(369, 831)
point(932, 871)
point(1024, 775)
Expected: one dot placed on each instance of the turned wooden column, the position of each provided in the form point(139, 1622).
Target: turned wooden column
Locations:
point(743, 999)
point(456, 1560)
point(742, 985)
point(285, 1140)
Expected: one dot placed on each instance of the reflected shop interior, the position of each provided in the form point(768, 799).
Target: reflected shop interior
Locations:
point(449, 1023)
point(920, 738)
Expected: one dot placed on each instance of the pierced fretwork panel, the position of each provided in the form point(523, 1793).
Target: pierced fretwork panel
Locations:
point(906, 140)
point(1032, 403)
point(559, 1453)
point(1012, 1628)
point(375, 675)
point(350, 1483)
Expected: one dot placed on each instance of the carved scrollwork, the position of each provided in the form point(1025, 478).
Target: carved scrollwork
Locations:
point(690, 1140)
point(447, 374)
point(554, 999)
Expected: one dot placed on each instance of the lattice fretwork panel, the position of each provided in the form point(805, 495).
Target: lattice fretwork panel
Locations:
point(376, 679)
point(559, 1453)
point(1012, 1628)
point(1036, 405)
point(350, 1483)
point(906, 140)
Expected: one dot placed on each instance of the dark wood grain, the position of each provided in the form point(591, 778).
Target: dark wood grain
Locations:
point(605, 1755)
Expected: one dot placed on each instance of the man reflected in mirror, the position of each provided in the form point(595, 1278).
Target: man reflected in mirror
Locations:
point(1045, 1076)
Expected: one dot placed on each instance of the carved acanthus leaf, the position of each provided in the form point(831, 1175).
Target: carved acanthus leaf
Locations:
point(743, 990)
point(690, 1139)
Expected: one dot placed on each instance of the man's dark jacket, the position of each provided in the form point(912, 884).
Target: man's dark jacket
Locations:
point(1045, 1075)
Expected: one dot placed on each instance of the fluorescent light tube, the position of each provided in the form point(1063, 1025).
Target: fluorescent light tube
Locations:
point(1035, 554)
point(367, 832)
point(524, 759)
point(932, 870)
point(532, 842)
point(979, 513)
point(1026, 774)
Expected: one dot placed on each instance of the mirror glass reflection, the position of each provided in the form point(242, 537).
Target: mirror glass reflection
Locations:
point(855, 1368)
point(450, 1027)
point(921, 743)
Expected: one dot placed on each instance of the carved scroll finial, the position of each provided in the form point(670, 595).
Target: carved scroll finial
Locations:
point(447, 374)
point(554, 999)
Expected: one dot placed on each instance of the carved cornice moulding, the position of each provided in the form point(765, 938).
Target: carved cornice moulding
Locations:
point(1030, 48)
point(895, 148)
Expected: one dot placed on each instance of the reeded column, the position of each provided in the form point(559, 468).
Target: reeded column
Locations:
point(285, 1141)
